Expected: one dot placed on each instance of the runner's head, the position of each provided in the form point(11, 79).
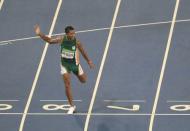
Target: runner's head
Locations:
point(70, 32)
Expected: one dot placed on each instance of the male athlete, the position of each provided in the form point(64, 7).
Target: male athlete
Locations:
point(70, 61)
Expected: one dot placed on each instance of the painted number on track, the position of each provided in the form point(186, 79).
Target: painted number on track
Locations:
point(55, 107)
point(5, 107)
point(180, 107)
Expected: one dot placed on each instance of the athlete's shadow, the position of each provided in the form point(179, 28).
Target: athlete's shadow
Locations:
point(80, 120)
point(103, 127)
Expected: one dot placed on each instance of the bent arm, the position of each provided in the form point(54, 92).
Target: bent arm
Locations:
point(53, 40)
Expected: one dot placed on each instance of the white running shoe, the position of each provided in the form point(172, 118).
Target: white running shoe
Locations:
point(71, 110)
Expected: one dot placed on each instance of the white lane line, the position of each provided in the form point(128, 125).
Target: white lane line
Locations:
point(8, 100)
point(59, 100)
point(138, 101)
point(98, 114)
point(39, 68)
point(163, 66)
point(1, 4)
point(102, 65)
point(174, 101)
point(21, 39)
point(11, 113)
point(6, 43)
point(98, 29)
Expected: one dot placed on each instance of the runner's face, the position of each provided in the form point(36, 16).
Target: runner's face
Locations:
point(71, 34)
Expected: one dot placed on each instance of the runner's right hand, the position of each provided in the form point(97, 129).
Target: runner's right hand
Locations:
point(37, 29)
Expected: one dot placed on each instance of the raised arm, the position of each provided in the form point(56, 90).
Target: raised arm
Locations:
point(53, 40)
point(84, 54)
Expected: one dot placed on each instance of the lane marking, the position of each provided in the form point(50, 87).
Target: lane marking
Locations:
point(180, 107)
point(14, 40)
point(163, 66)
point(138, 101)
point(8, 100)
point(39, 68)
point(6, 43)
point(53, 107)
point(59, 100)
point(5, 107)
point(134, 108)
point(98, 114)
point(98, 29)
point(173, 101)
point(102, 65)
point(1, 4)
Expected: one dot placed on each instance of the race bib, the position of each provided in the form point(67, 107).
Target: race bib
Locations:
point(67, 54)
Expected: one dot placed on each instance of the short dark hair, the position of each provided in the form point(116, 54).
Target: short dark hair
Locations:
point(68, 29)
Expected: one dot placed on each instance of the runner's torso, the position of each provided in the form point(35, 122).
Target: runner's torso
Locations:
point(69, 52)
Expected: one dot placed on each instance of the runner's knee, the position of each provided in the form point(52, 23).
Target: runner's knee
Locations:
point(83, 79)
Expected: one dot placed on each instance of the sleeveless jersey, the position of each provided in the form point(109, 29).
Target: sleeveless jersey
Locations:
point(68, 51)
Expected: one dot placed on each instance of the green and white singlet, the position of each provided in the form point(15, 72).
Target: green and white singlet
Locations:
point(69, 57)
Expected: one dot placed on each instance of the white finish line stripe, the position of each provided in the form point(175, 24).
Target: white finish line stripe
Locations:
point(59, 100)
point(1, 3)
point(102, 65)
point(96, 114)
point(39, 69)
point(163, 66)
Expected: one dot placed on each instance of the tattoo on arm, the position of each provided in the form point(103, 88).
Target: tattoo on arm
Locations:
point(53, 40)
point(56, 40)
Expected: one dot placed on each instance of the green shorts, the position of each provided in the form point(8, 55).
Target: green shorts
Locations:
point(68, 68)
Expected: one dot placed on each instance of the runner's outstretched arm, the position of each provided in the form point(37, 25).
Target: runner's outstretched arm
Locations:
point(53, 40)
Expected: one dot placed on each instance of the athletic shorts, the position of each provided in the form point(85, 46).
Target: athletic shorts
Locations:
point(68, 68)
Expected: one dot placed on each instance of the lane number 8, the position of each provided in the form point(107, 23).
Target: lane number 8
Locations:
point(54, 107)
point(5, 107)
point(180, 107)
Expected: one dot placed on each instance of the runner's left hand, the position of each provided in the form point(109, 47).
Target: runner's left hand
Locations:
point(90, 63)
